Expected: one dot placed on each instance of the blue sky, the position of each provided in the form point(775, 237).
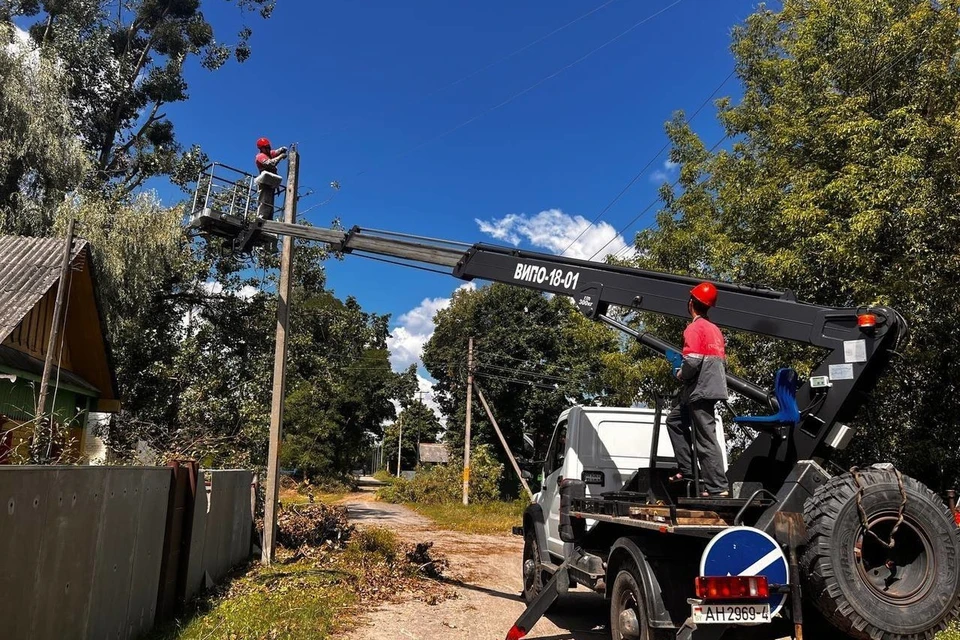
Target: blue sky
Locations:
point(364, 87)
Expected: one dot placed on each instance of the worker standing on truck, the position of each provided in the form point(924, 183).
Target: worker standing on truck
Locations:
point(702, 372)
point(267, 182)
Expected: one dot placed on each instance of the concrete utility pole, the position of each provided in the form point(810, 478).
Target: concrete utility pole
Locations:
point(419, 435)
point(466, 439)
point(55, 328)
point(399, 442)
point(280, 364)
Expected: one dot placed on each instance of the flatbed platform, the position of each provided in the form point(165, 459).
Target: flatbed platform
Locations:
point(631, 509)
point(699, 530)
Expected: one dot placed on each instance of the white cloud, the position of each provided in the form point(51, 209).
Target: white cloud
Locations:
point(214, 288)
point(413, 330)
point(23, 44)
point(244, 293)
point(557, 232)
point(666, 173)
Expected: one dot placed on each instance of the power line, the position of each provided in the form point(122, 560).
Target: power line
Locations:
point(649, 164)
point(490, 65)
point(647, 208)
point(530, 88)
point(402, 264)
point(626, 249)
point(544, 376)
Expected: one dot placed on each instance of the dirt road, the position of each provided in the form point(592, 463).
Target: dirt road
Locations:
point(486, 575)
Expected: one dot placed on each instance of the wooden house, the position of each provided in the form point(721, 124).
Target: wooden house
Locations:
point(82, 380)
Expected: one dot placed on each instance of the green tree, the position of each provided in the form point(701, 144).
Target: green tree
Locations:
point(340, 383)
point(534, 355)
point(41, 157)
point(838, 182)
point(126, 59)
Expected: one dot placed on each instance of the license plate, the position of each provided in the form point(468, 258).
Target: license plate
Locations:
point(731, 613)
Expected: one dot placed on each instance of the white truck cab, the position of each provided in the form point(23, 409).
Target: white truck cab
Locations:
point(603, 447)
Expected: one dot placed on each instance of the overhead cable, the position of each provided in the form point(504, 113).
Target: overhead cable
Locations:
point(649, 164)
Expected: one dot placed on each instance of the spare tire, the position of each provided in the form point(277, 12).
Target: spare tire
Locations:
point(866, 590)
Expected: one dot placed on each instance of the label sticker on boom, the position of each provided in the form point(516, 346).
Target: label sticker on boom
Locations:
point(854, 350)
point(557, 278)
point(841, 372)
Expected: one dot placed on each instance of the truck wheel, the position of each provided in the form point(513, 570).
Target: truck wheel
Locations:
point(532, 571)
point(628, 614)
point(866, 590)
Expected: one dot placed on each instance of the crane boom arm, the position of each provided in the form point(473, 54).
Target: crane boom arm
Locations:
point(858, 341)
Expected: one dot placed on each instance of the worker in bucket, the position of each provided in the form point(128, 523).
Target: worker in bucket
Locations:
point(267, 158)
point(267, 182)
point(701, 368)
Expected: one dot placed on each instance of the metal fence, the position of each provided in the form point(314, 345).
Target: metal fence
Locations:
point(82, 549)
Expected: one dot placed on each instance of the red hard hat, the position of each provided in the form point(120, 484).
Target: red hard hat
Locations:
point(263, 142)
point(706, 293)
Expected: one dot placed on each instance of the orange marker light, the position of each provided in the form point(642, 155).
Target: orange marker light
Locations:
point(866, 321)
point(732, 588)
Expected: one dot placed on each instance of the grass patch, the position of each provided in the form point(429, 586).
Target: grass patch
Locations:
point(950, 633)
point(482, 517)
point(283, 601)
point(384, 476)
point(314, 593)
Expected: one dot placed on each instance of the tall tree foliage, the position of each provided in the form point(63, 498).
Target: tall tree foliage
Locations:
point(839, 182)
point(40, 155)
point(340, 383)
point(534, 356)
point(127, 59)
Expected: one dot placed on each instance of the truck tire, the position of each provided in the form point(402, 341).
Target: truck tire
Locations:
point(628, 611)
point(531, 570)
point(847, 572)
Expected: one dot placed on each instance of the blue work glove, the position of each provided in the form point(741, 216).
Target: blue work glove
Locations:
point(675, 359)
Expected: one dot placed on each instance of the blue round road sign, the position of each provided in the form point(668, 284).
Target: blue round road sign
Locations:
point(745, 551)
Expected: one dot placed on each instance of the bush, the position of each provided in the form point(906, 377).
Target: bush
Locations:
point(444, 483)
point(952, 632)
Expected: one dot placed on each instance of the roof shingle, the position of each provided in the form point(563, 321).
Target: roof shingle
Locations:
point(29, 268)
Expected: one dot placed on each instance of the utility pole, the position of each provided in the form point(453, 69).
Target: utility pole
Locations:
point(420, 435)
point(280, 363)
point(54, 335)
point(466, 439)
point(399, 441)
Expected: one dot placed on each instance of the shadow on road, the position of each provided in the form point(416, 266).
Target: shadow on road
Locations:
point(490, 592)
point(583, 613)
point(364, 512)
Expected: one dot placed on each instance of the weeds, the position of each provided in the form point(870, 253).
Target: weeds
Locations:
point(483, 518)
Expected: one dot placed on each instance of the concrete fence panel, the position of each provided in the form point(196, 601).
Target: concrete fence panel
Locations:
point(81, 548)
point(222, 526)
point(72, 565)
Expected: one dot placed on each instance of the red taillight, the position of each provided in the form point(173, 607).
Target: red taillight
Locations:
point(733, 588)
point(866, 321)
point(956, 517)
point(516, 633)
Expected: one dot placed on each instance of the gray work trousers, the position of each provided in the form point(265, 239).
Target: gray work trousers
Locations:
point(265, 199)
point(704, 426)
